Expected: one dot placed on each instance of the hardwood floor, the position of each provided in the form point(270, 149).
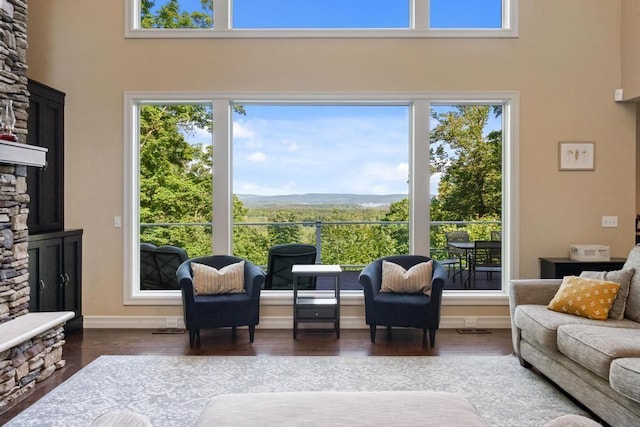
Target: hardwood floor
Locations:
point(83, 347)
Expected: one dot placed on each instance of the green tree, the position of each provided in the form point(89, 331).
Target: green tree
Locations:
point(398, 211)
point(279, 234)
point(171, 16)
point(175, 177)
point(471, 184)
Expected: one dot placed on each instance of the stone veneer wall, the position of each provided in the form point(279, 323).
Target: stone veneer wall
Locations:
point(14, 286)
point(34, 360)
point(37, 358)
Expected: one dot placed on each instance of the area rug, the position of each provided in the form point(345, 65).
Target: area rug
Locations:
point(172, 390)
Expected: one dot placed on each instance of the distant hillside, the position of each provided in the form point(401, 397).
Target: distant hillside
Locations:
point(252, 200)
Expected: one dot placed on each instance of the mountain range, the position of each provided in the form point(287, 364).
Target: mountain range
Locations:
point(369, 200)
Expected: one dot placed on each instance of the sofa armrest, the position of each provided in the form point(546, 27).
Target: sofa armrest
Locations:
point(532, 291)
point(529, 291)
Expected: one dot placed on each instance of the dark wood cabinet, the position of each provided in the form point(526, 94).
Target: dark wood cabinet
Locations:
point(55, 273)
point(55, 255)
point(46, 185)
point(557, 268)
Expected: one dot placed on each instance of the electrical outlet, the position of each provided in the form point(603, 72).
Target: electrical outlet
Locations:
point(470, 322)
point(609, 221)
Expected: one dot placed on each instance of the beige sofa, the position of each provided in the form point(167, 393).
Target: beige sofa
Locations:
point(595, 361)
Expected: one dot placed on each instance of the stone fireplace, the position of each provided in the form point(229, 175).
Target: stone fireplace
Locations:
point(30, 343)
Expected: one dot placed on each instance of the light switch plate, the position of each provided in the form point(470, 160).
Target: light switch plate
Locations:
point(609, 221)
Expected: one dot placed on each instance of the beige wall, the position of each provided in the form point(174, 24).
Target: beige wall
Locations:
point(565, 66)
point(630, 18)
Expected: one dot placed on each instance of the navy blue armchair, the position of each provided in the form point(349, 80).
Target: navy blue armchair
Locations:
point(390, 309)
point(220, 310)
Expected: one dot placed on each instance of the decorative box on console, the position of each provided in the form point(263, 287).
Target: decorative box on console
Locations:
point(589, 253)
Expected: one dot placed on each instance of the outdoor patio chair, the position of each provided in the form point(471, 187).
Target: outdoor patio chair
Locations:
point(485, 258)
point(280, 260)
point(449, 259)
point(408, 310)
point(158, 265)
point(458, 236)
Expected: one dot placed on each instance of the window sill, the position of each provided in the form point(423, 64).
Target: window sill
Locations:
point(347, 298)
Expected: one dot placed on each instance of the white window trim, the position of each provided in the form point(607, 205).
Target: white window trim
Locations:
point(419, 26)
point(419, 180)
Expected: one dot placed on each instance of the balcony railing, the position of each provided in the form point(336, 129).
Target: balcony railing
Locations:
point(351, 244)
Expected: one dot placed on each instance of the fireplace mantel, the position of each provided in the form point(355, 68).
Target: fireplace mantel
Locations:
point(22, 154)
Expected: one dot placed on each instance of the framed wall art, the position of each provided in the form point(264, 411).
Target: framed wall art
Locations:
point(576, 156)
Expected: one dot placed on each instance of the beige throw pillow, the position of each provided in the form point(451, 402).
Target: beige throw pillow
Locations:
point(622, 277)
point(210, 280)
point(588, 298)
point(415, 280)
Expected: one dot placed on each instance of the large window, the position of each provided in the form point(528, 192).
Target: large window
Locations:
point(196, 165)
point(322, 18)
point(322, 174)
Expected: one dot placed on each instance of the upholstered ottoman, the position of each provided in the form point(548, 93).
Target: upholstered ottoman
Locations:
point(341, 408)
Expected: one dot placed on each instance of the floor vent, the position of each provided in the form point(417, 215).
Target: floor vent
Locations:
point(472, 331)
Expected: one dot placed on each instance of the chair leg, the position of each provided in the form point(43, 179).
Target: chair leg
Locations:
point(194, 337)
point(252, 330)
point(432, 337)
point(372, 329)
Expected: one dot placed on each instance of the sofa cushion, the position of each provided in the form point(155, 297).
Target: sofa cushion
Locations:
point(632, 309)
point(625, 377)
point(540, 325)
point(622, 277)
point(589, 298)
point(595, 347)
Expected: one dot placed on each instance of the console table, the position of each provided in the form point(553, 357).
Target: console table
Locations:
point(316, 308)
point(557, 268)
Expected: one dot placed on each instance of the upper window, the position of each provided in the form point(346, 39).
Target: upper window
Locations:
point(302, 14)
point(466, 14)
point(321, 18)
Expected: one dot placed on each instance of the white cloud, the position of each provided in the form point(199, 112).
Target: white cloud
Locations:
point(257, 156)
point(240, 131)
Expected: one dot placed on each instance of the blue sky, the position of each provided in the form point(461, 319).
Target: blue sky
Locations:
point(357, 13)
point(321, 149)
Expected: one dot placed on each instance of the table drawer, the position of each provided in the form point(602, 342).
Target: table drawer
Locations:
point(317, 313)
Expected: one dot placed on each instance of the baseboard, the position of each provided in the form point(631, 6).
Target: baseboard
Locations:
point(282, 322)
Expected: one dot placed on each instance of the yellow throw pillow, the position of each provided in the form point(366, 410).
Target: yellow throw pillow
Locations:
point(415, 280)
point(210, 280)
point(589, 298)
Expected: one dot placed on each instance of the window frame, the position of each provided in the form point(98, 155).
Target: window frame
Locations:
point(419, 196)
point(418, 26)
